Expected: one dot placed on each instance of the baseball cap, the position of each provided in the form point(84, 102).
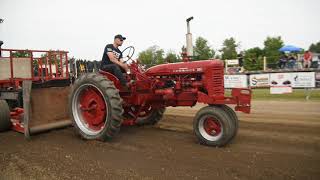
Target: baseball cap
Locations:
point(120, 37)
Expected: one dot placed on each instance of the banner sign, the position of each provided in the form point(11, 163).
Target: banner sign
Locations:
point(280, 79)
point(280, 89)
point(295, 80)
point(303, 80)
point(317, 79)
point(233, 62)
point(259, 80)
point(292, 79)
point(235, 81)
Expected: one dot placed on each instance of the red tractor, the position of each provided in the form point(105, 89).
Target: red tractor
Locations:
point(98, 106)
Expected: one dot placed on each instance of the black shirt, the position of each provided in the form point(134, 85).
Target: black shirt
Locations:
point(105, 57)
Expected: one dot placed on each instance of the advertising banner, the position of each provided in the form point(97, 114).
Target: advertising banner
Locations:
point(317, 78)
point(280, 89)
point(303, 80)
point(235, 81)
point(259, 80)
point(295, 80)
point(280, 79)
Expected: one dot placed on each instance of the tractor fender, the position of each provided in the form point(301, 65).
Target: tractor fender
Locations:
point(112, 78)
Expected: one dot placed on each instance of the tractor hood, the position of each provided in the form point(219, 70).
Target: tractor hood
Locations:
point(184, 67)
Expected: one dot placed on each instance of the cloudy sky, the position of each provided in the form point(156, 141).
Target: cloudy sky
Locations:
point(84, 27)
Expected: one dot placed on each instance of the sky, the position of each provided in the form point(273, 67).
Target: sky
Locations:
point(84, 27)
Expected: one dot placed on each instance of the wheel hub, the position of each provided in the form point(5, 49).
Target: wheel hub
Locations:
point(212, 126)
point(92, 108)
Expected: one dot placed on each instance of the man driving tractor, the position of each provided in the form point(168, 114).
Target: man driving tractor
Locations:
point(112, 60)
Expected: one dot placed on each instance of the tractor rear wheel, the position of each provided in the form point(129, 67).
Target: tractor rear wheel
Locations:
point(95, 107)
point(213, 126)
point(5, 122)
point(150, 116)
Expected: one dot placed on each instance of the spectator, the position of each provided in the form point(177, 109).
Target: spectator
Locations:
point(291, 62)
point(240, 59)
point(283, 61)
point(307, 59)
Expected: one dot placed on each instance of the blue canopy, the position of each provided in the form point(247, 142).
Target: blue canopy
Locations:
point(290, 48)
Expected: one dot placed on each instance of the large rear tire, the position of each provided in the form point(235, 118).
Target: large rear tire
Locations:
point(213, 126)
point(150, 116)
point(95, 107)
point(5, 122)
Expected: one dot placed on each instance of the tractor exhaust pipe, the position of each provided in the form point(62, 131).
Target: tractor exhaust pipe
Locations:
point(1, 43)
point(189, 38)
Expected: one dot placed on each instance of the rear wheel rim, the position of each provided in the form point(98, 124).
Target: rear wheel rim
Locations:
point(89, 109)
point(210, 128)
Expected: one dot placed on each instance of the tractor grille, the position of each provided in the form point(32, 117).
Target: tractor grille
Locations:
point(217, 88)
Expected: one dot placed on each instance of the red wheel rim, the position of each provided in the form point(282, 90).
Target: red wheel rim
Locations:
point(212, 126)
point(93, 108)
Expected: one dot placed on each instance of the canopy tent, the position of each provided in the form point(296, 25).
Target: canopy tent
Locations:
point(290, 48)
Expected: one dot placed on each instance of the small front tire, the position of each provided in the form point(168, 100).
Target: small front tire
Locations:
point(213, 126)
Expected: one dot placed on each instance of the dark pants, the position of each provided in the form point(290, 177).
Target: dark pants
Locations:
point(282, 64)
point(115, 70)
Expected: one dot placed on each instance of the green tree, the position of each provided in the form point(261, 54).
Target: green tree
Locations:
point(158, 58)
point(202, 50)
point(253, 59)
point(151, 56)
point(315, 47)
point(271, 49)
point(22, 53)
point(229, 49)
point(172, 57)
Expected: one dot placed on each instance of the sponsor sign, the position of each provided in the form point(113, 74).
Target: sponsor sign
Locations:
point(233, 62)
point(235, 81)
point(295, 80)
point(303, 79)
point(280, 79)
point(259, 80)
point(280, 89)
point(317, 79)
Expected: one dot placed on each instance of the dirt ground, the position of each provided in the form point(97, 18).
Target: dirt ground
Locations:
point(279, 140)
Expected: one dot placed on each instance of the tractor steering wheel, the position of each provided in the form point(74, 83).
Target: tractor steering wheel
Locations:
point(127, 53)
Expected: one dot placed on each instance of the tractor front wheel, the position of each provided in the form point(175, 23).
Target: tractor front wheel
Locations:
point(213, 126)
point(234, 118)
point(95, 107)
point(5, 122)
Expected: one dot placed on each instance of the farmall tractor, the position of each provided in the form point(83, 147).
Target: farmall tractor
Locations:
point(34, 94)
point(99, 106)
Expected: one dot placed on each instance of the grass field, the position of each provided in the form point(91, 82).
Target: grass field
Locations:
point(298, 94)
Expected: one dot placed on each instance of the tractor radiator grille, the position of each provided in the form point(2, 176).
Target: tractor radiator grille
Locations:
point(217, 82)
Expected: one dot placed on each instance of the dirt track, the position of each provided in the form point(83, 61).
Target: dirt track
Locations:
point(279, 140)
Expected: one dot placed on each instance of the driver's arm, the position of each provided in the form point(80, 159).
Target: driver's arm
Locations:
point(113, 59)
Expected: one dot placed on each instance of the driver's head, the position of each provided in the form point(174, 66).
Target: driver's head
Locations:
point(118, 39)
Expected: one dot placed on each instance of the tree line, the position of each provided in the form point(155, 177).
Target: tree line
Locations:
point(253, 57)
